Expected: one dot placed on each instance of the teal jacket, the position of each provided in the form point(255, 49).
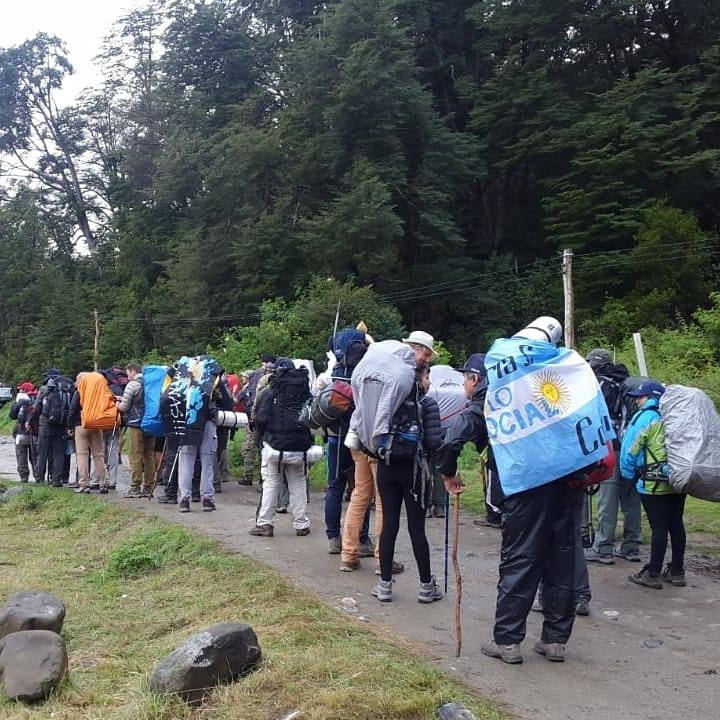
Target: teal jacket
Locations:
point(643, 445)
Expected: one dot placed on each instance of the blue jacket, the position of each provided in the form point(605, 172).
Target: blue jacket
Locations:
point(643, 445)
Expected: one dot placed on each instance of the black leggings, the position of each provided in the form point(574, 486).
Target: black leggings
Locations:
point(665, 514)
point(395, 485)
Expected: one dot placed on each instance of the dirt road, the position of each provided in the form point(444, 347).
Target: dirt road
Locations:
point(641, 655)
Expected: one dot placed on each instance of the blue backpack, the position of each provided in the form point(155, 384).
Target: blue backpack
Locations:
point(349, 347)
point(153, 381)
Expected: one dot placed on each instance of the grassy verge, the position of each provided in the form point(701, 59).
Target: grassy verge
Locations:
point(135, 588)
point(6, 424)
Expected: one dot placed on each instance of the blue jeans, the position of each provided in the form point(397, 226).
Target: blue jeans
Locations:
point(339, 465)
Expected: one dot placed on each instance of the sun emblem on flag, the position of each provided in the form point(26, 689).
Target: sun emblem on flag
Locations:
point(551, 392)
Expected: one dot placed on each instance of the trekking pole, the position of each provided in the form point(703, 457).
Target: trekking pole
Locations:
point(447, 536)
point(458, 578)
point(159, 465)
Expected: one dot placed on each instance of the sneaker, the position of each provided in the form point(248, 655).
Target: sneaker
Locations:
point(167, 499)
point(93, 486)
point(383, 590)
point(59, 485)
point(282, 510)
point(509, 654)
point(132, 494)
point(73, 485)
point(596, 557)
point(262, 531)
point(335, 545)
point(582, 607)
point(632, 555)
point(82, 489)
point(429, 592)
point(397, 568)
point(645, 578)
point(554, 652)
point(208, 505)
point(243, 481)
point(184, 506)
point(671, 577)
point(104, 490)
point(301, 532)
point(349, 565)
point(366, 549)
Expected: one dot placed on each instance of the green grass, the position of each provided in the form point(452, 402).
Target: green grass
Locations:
point(136, 588)
point(6, 424)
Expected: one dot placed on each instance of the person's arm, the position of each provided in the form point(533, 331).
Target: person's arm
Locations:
point(631, 450)
point(75, 412)
point(131, 390)
point(469, 426)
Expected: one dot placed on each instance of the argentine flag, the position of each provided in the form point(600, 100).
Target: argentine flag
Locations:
point(546, 416)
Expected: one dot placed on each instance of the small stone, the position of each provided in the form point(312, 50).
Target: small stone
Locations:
point(32, 610)
point(348, 602)
point(652, 643)
point(219, 654)
point(611, 613)
point(32, 664)
point(454, 711)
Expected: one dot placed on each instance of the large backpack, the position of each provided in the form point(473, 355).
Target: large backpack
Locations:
point(329, 407)
point(692, 441)
point(99, 408)
point(349, 348)
point(55, 405)
point(288, 391)
point(404, 441)
point(154, 377)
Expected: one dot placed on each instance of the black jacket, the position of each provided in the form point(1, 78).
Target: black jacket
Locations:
point(20, 411)
point(432, 435)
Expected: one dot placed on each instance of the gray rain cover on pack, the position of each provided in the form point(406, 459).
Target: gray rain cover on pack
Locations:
point(692, 441)
point(446, 386)
point(380, 383)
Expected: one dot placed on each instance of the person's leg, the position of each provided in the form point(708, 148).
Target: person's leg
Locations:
point(58, 457)
point(41, 461)
point(21, 457)
point(416, 526)
point(283, 495)
point(297, 488)
point(438, 494)
point(336, 480)
point(608, 497)
point(148, 452)
point(112, 455)
point(526, 537)
point(677, 533)
point(271, 486)
point(135, 453)
point(97, 450)
point(582, 578)
point(378, 508)
point(357, 509)
point(630, 504)
point(391, 493)
point(208, 448)
point(559, 576)
point(170, 467)
point(82, 454)
point(186, 467)
point(657, 511)
point(251, 465)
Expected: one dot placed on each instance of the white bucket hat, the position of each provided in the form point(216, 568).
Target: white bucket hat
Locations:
point(419, 337)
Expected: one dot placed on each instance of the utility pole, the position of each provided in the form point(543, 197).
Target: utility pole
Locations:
point(96, 350)
point(569, 298)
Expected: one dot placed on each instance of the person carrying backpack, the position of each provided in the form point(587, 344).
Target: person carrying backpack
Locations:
point(51, 412)
point(20, 411)
point(284, 444)
point(643, 459)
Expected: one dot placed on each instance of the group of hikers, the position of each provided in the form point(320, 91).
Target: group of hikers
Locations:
point(393, 426)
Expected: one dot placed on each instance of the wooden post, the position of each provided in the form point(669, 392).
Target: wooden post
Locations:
point(96, 349)
point(569, 299)
point(640, 353)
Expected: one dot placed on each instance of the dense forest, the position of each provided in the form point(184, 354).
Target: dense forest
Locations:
point(244, 166)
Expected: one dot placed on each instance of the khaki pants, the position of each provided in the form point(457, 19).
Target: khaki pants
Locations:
point(90, 442)
point(365, 490)
point(142, 458)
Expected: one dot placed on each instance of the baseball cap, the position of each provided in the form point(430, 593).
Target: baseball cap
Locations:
point(52, 372)
point(26, 387)
point(648, 388)
point(475, 364)
point(598, 356)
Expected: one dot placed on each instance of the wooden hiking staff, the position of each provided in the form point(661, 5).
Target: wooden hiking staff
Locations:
point(458, 578)
point(158, 468)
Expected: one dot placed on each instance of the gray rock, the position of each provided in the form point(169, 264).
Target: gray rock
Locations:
point(32, 610)
point(11, 492)
point(219, 654)
point(32, 664)
point(454, 711)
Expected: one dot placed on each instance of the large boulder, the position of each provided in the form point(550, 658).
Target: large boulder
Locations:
point(32, 664)
point(32, 610)
point(219, 654)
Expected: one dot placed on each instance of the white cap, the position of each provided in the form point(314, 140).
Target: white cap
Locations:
point(419, 337)
point(544, 328)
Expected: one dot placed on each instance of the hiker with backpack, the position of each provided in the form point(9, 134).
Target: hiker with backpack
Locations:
point(142, 444)
point(644, 461)
point(403, 473)
point(20, 412)
point(614, 493)
point(50, 414)
point(117, 380)
point(284, 442)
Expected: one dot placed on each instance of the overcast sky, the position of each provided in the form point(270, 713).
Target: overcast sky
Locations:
point(82, 24)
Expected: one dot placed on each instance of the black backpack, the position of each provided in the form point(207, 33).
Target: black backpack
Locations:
point(611, 378)
point(288, 392)
point(55, 407)
point(404, 441)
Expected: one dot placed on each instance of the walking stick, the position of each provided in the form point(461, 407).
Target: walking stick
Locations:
point(458, 578)
point(447, 536)
point(159, 465)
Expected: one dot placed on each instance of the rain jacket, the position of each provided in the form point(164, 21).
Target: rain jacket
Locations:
point(643, 445)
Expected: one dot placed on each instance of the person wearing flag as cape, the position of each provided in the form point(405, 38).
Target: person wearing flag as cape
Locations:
point(539, 409)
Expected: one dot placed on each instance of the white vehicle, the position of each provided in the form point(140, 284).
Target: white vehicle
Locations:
point(5, 394)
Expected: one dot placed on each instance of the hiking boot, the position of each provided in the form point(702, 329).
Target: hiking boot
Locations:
point(596, 557)
point(82, 489)
point(554, 652)
point(645, 578)
point(509, 654)
point(93, 485)
point(349, 565)
point(55, 484)
point(429, 591)
point(487, 522)
point(208, 505)
point(132, 494)
point(104, 490)
point(262, 531)
point(582, 607)
point(301, 532)
point(217, 487)
point(73, 485)
point(383, 590)
point(167, 499)
point(673, 577)
point(282, 510)
point(397, 568)
point(632, 555)
point(184, 506)
point(335, 545)
point(366, 549)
